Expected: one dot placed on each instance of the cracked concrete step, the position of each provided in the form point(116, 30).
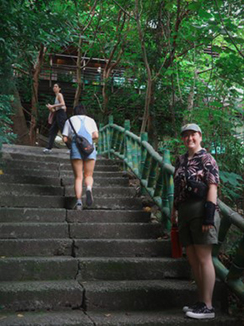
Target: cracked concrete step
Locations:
point(114, 191)
point(99, 181)
point(108, 203)
point(38, 268)
point(45, 215)
point(45, 295)
point(26, 179)
point(133, 268)
point(67, 202)
point(34, 230)
point(15, 215)
point(108, 216)
point(47, 318)
point(122, 248)
point(58, 174)
point(138, 295)
point(162, 317)
point(92, 269)
point(30, 153)
point(80, 231)
point(33, 201)
point(115, 231)
point(28, 189)
point(36, 189)
point(33, 247)
point(45, 165)
point(66, 180)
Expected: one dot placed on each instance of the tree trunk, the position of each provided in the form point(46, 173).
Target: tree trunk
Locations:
point(34, 99)
point(19, 122)
point(78, 75)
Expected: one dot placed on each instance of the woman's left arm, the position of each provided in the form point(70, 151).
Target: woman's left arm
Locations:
point(210, 207)
point(61, 102)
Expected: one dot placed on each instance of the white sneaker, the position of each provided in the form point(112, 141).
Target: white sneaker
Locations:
point(47, 151)
point(78, 207)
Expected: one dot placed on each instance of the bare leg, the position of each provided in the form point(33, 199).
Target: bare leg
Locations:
point(196, 270)
point(88, 172)
point(77, 166)
point(204, 256)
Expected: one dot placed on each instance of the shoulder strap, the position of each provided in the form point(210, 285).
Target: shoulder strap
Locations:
point(72, 126)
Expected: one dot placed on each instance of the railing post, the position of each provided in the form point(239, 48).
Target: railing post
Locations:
point(100, 145)
point(144, 137)
point(127, 150)
point(168, 192)
point(110, 132)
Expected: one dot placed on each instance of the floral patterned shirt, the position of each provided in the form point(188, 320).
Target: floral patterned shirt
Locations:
point(201, 167)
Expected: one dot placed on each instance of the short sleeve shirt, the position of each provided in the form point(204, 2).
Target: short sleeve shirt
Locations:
point(76, 120)
point(201, 167)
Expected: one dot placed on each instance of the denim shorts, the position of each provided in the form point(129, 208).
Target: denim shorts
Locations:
point(190, 219)
point(76, 155)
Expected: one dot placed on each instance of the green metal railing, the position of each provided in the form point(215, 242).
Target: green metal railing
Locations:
point(155, 173)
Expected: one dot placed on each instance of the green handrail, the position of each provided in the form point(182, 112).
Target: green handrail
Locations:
point(155, 173)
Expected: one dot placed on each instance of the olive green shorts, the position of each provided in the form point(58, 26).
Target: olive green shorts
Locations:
point(190, 218)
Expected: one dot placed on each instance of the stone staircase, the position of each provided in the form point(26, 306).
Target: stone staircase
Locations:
point(107, 265)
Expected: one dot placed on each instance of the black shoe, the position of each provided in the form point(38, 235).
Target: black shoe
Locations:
point(193, 307)
point(201, 313)
point(89, 198)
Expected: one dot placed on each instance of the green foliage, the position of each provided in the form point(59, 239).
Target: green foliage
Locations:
point(6, 134)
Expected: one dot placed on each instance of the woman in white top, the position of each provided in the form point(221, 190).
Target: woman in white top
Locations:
point(86, 127)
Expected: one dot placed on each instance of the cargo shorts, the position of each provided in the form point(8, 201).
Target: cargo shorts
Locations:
point(190, 219)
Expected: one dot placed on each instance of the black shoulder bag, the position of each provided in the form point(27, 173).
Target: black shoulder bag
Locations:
point(196, 189)
point(84, 146)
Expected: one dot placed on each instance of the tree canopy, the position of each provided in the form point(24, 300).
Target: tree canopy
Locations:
point(179, 61)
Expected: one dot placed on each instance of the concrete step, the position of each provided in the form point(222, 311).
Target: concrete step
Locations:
point(36, 247)
point(91, 269)
point(114, 191)
point(55, 173)
point(27, 179)
point(85, 248)
point(47, 318)
point(28, 189)
point(38, 268)
point(67, 202)
point(107, 216)
point(122, 248)
point(138, 295)
point(45, 215)
point(16, 215)
point(132, 268)
point(114, 231)
point(98, 181)
point(34, 230)
point(32, 201)
point(162, 317)
point(14, 163)
point(108, 203)
point(80, 231)
point(36, 189)
point(45, 295)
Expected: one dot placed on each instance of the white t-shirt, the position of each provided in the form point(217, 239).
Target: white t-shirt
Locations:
point(89, 124)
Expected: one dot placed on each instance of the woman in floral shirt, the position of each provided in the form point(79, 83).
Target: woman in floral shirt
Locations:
point(198, 217)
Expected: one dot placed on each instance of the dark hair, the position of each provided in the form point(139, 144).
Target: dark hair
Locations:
point(80, 110)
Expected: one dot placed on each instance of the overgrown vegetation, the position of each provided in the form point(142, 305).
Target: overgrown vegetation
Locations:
point(178, 61)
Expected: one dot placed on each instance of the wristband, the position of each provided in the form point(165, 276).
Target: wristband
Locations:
point(209, 213)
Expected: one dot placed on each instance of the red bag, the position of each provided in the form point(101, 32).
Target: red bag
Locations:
point(50, 117)
point(176, 247)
